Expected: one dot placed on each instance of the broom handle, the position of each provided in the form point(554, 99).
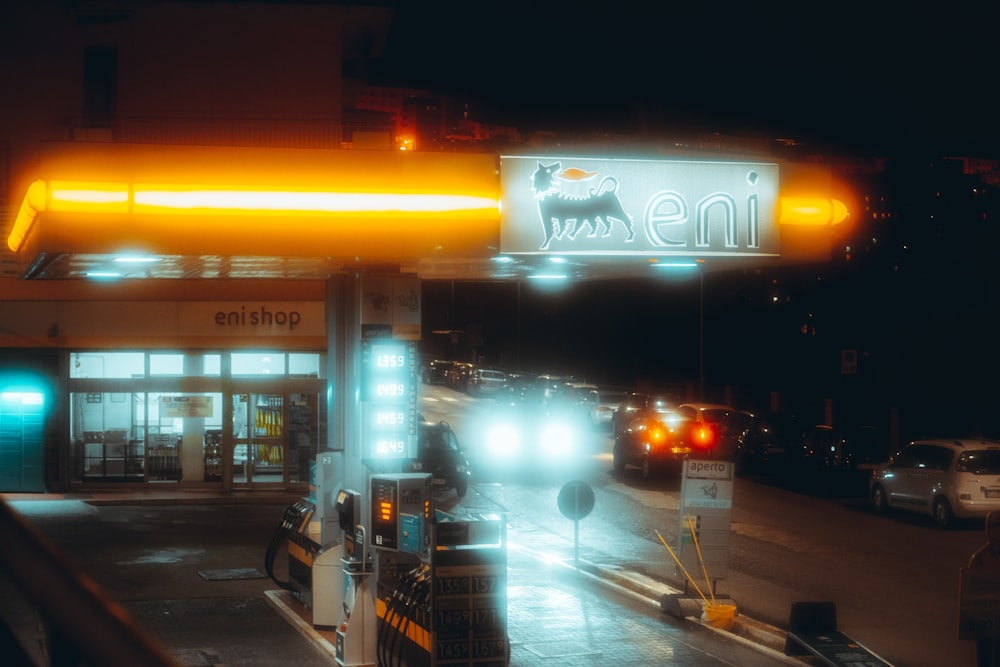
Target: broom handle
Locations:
point(681, 565)
point(704, 570)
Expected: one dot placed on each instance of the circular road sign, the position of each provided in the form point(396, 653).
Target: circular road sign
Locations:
point(576, 500)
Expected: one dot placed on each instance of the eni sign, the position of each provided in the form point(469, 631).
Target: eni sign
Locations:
point(588, 206)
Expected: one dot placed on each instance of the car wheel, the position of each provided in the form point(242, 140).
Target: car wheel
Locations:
point(878, 499)
point(618, 462)
point(461, 487)
point(942, 513)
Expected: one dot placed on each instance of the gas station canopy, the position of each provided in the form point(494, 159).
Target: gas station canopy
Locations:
point(149, 211)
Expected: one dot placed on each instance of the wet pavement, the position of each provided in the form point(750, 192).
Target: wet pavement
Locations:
point(151, 552)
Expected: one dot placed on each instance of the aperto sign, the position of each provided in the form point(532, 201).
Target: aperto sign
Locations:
point(389, 398)
point(588, 206)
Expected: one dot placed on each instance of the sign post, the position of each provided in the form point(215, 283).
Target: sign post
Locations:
point(706, 508)
point(576, 501)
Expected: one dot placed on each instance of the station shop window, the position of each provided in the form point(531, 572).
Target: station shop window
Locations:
point(177, 364)
point(108, 365)
point(130, 420)
point(296, 364)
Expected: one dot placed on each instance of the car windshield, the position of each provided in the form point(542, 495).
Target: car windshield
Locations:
point(660, 405)
point(714, 415)
point(439, 439)
point(980, 462)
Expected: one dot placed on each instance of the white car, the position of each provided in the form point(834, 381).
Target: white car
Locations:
point(943, 478)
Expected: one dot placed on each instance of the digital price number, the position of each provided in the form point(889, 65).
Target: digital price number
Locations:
point(390, 390)
point(466, 649)
point(388, 447)
point(390, 417)
point(463, 619)
point(389, 360)
point(389, 398)
point(477, 585)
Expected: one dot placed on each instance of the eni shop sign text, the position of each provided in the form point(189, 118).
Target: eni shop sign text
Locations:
point(261, 318)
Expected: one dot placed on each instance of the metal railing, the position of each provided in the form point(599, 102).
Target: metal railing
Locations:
point(82, 625)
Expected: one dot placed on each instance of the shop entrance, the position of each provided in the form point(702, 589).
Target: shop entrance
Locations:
point(259, 443)
point(275, 436)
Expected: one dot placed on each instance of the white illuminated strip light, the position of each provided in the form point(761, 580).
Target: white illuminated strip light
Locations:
point(251, 200)
point(124, 198)
point(133, 259)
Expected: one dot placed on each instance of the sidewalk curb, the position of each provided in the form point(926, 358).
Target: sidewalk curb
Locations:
point(764, 638)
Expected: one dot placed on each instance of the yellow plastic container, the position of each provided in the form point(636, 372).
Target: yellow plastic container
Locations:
point(719, 615)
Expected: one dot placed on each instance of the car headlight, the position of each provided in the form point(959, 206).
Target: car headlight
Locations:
point(504, 441)
point(557, 439)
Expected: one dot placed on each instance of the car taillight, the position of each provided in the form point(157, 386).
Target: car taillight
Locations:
point(657, 435)
point(703, 436)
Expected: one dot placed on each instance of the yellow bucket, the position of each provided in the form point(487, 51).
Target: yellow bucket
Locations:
point(719, 615)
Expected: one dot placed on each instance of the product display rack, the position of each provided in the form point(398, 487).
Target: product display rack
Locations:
point(111, 455)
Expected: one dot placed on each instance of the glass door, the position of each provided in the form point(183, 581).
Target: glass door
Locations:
point(259, 438)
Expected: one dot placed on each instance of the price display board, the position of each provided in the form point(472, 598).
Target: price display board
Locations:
point(389, 399)
point(469, 617)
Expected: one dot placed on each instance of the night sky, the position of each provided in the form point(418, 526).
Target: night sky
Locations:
point(845, 79)
point(849, 75)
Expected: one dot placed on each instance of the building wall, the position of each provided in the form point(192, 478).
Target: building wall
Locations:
point(243, 74)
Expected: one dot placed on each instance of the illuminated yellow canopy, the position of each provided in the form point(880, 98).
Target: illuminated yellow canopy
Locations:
point(179, 200)
point(369, 206)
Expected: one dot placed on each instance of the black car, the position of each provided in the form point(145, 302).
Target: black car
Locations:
point(654, 442)
point(637, 404)
point(436, 372)
point(770, 443)
point(439, 454)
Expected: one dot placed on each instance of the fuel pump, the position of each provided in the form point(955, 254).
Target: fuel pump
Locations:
point(314, 550)
point(442, 579)
point(355, 641)
point(401, 510)
point(293, 531)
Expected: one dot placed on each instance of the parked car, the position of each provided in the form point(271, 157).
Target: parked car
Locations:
point(768, 443)
point(821, 447)
point(517, 388)
point(943, 478)
point(439, 453)
point(436, 371)
point(837, 460)
point(486, 382)
point(608, 401)
point(458, 375)
point(638, 403)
